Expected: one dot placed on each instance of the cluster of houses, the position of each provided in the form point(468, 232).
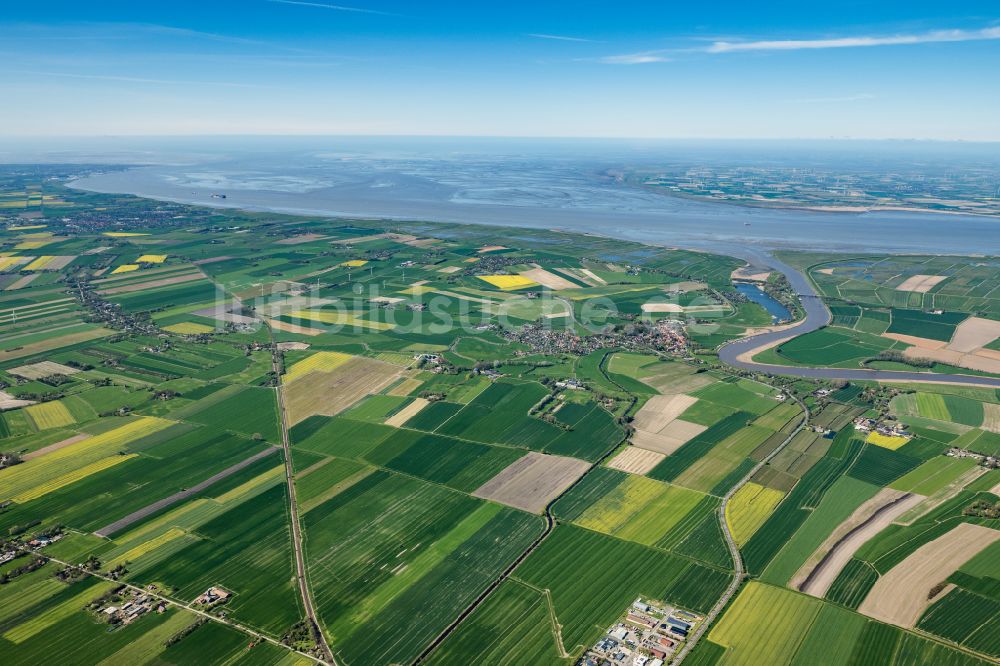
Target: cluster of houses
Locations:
point(571, 384)
point(8, 554)
point(894, 429)
point(647, 635)
point(11, 550)
point(665, 335)
point(212, 595)
point(991, 462)
point(43, 540)
point(133, 604)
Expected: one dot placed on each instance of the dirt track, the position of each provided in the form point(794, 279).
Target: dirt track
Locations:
point(868, 520)
point(150, 509)
point(900, 596)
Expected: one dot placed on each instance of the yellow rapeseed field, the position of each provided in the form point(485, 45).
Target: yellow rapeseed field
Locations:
point(8, 262)
point(324, 361)
point(188, 328)
point(749, 508)
point(31, 245)
point(508, 282)
point(354, 263)
point(886, 441)
point(70, 477)
point(123, 234)
point(151, 259)
point(146, 546)
point(39, 263)
point(32, 473)
point(126, 268)
point(50, 415)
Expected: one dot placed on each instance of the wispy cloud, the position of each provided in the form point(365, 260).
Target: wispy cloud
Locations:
point(641, 58)
point(136, 79)
point(558, 38)
point(831, 100)
point(339, 8)
point(856, 42)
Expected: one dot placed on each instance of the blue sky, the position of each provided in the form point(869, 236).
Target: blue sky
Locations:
point(610, 69)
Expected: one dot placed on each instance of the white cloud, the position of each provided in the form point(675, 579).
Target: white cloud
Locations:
point(339, 8)
point(641, 58)
point(559, 38)
point(855, 42)
point(136, 79)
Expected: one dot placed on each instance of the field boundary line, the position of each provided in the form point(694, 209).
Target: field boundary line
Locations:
point(190, 608)
point(550, 525)
point(170, 500)
point(734, 551)
point(277, 367)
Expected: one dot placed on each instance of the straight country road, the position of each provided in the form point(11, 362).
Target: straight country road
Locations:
point(300, 561)
point(190, 607)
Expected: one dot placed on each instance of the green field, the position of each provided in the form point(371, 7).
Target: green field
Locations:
point(593, 578)
point(141, 431)
point(770, 625)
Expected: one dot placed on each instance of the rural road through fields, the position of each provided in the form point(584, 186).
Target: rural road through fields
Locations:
point(550, 524)
point(190, 607)
point(739, 352)
point(300, 560)
point(734, 550)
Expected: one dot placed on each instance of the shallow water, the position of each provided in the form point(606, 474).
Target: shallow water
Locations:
point(567, 191)
point(777, 311)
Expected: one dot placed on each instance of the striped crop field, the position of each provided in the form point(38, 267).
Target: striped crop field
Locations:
point(70, 477)
point(333, 318)
point(765, 625)
point(932, 406)
point(890, 442)
point(138, 551)
point(43, 621)
point(38, 471)
point(508, 282)
point(749, 508)
point(188, 328)
point(640, 509)
point(50, 415)
point(323, 361)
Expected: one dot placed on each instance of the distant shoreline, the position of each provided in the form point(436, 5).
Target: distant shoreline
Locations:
point(792, 206)
point(679, 221)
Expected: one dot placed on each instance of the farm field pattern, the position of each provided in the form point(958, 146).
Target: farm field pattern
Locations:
point(495, 448)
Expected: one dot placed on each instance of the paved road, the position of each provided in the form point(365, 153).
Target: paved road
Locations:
point(300, 562)
point(190, 607)
point(818, 316)
point(550, 525)
point(734, 550)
